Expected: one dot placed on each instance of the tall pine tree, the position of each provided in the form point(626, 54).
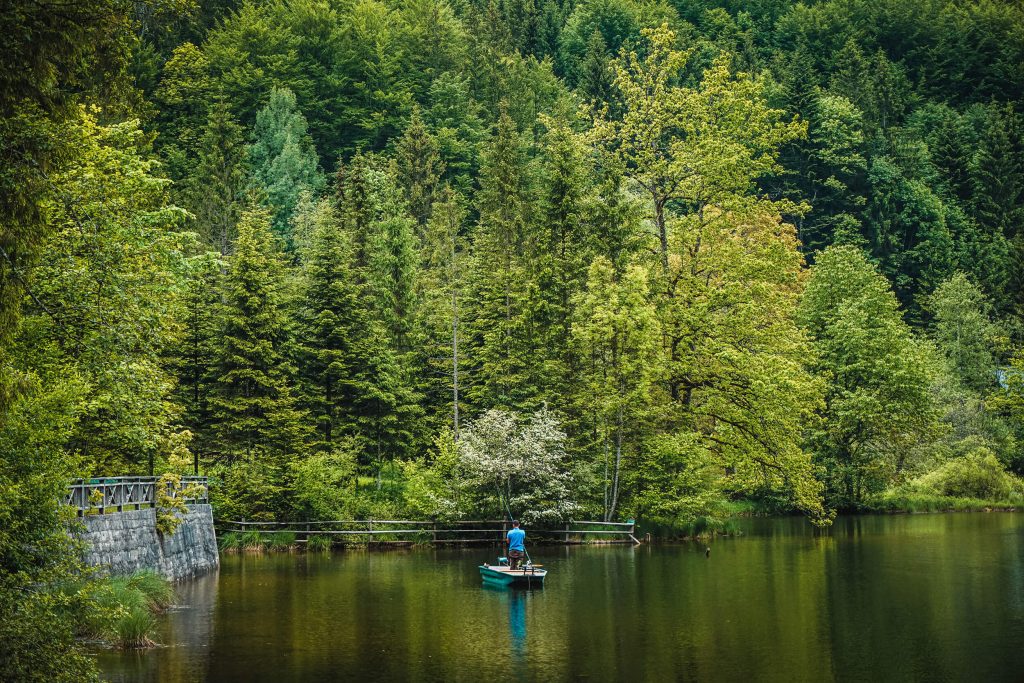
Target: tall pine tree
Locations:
point(284, 161)
point(259, 427)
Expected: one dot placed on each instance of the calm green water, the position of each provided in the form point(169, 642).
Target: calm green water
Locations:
point(895, 598)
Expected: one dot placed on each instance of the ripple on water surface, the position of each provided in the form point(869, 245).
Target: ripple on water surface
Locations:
point(908, 597)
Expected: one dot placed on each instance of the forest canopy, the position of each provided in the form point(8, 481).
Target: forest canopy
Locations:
point(612, 258)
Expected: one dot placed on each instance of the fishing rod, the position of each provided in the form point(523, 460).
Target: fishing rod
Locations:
point(508, 511)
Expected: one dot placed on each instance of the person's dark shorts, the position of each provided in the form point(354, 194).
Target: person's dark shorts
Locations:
point(515, 554)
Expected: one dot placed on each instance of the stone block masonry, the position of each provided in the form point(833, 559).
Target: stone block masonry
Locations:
point(125, 542)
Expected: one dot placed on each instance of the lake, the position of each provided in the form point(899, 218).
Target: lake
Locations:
point(875, 598)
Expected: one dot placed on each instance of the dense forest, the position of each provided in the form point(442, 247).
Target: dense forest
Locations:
point(445, 258)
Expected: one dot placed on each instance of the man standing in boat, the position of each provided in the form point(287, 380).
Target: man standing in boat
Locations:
point(516, 548)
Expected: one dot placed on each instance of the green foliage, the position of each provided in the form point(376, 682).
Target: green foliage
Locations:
point(319, 543)
point(439, 489)
point(214, 187)
point(964, 331)
point(878, 403)
point(333, 321)
point(229, 542)
point(121, 610)
point(636, 263)
point(617, 332)
point(105, 303)
point(259, 425)
point(171, 494)
point(419, 167)
point(979, 475)
point(284, 163)
point(37, 554)
point(253, 541)
point(283, 541)
point(158, 591)
point(324, 483)
point(498, 335)
point(898, 501)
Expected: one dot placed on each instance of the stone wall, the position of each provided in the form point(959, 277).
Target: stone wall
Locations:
point(125, 542)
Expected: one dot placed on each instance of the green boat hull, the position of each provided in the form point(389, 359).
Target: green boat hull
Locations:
point(501, 576)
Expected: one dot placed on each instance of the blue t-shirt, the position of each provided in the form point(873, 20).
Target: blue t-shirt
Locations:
point(515, 539)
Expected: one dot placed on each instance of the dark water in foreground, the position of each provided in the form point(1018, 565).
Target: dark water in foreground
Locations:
point(896, 598)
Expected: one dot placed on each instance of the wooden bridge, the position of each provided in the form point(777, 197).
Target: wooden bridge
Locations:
point(438, 532)
point(116, 494)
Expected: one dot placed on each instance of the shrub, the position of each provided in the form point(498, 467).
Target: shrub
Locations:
point(253, 541)
point(979, 474)
point(133, 630)
point(158, 591)
point(230, 542)
point(170, 493)
point(121, 609)
point(281, 541)
point(318, 543)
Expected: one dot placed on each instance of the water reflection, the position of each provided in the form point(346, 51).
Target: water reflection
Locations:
point(514, 600)
point(930, 597)
point(185, 636)
point(517, 622)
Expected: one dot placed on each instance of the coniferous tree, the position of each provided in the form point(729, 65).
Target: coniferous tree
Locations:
point(441, 302)
point(183, 96)
point(333, 324)
point(559, 251)
point(259, 427)
point(214, 190)
point(456, 120)
point(383, 242)
point(284, 161)
point(997, 195)
point(500, 342)
point(419, 168)
point(196, 359)
point(595, 82)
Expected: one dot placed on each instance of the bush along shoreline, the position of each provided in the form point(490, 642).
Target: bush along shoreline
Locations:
point(121, 611)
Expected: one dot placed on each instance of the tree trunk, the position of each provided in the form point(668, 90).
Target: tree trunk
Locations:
point(607, 512)
point(455, 343)
point(659, 221)
point(618, 464)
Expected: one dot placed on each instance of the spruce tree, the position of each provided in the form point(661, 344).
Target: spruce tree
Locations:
point(259, 425)
point(440, 315)
point(997, 179)
point(500, 340)
point(384, 262)
point(332, 323)
point(196, 359)
point(284, 161)
point(559, 249)
point(595, 82)
point(419, 168)
point(214, 190)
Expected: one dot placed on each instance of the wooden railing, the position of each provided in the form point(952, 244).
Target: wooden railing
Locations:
point(462, 531)
point(103, 495)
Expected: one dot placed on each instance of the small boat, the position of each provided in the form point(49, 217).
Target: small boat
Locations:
point(502, 575)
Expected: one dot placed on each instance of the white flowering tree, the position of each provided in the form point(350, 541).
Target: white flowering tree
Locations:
point(522, 466)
